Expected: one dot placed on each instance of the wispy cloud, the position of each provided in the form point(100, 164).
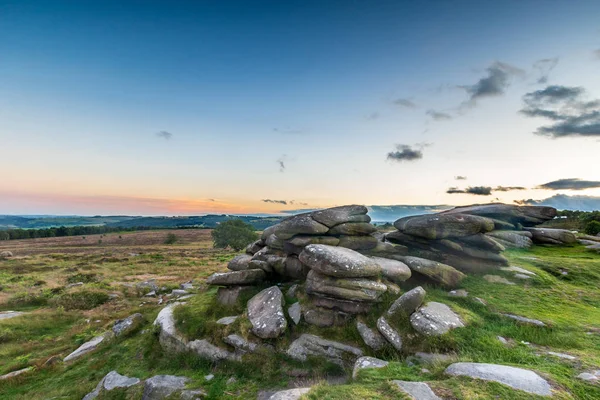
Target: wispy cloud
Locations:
point(497, 79)
point(570, 184)
point(406, 103)
point(275, 201)
point(475, 190)
point(571, 114)
point(165, 135)
point(289, 131)
point(281, 161)
point(544, 67)
point(438, 115)
point(460, 178)
point(508, 188)
point(405, 152)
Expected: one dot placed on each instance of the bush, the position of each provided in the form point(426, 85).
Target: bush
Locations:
point(234, 233)
point(80, 300)
point(592, 228)
point(171, 238)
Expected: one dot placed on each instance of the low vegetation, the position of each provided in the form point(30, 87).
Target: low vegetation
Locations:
point(234, 233)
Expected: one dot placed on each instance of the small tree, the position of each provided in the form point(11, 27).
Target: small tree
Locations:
point(592, 228)
point(171, 238)
point(4, 235)
point(234, 233)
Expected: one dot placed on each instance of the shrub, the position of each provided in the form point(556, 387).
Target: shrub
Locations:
point(80, 300)
point(234, 233)
point(592, 228)
point(85, 278)
point(171, 238)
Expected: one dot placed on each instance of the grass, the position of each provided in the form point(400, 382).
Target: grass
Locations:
point(565, 295)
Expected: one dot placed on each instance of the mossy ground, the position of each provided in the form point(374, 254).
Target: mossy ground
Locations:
point(565, 295)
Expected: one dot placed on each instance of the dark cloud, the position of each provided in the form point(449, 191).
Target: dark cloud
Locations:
point(544, 67)
point(438, 115)
point(405, 153)
point(460, 178)
point(211, 200)
point(570, 184)
point(281, 161)
point(164, 134)
point(275, 201)
point(475, 190)
point(565, 202)
point(508, 188)
point(405, 103)
point(496, 81)
point(571, 114)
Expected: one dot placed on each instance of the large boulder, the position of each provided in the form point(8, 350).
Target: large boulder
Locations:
point(247, 277)
point(552, 236)
point(230, 295)
point(339, 215)
point(265, 312)
point(311, 345)
point(338, 262)
point(516, 378)
point(168, 337)
point(435, 319)
point(239, 263)
point(301, 224)
point(436, 271)
point(394, 270)
point(441, 226)
point(352, 229)
point(512, 239)
point(354, 289)
point(524, 215)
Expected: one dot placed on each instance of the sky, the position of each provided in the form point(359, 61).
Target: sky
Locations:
point(192, 107)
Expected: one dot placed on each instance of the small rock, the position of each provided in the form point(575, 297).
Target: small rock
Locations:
point(367, 362)
point(502, 340)
point(52, 361)
point(497, 279)
point(160, 387)
point(15, 373)
point(194, 394)
point(112, 380)
point(389, 333)
point(435, 319)
point(179, 292)
point(209, 377)
point(265, 313)
point(458, 293)
point(562, 355)
point(295, 312)
point(151, 294)
point(417, 390)
point(591, 376)
point(481, 301)
point(519, 270)
point(186, 286)
point(240, 343)
point(408, 302)
point(311, 345)
point(86, 347)
point(290, 394)
point(70, 285)
point(9, 314)
point(522, 276)
point(204, 349)
point(6, 254)
point(227, 320)
point(128, 325)
point(524, 320)
point(231, 381)
point(292, 291)
point(371, 337)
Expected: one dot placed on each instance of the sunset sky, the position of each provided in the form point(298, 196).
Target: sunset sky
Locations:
point(192, 107)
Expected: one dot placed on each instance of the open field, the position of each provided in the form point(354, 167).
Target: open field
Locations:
point(57, 319)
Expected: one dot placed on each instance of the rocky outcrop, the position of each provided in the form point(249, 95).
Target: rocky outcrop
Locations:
point(552, 236)
point(245, 277)
point(517, 378)
point(240, 263)
point(265, 313)
point(168, 337)
point(310, 345)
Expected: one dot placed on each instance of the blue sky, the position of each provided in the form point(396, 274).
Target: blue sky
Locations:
point(288, 101)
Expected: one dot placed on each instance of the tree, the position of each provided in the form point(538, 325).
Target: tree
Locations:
point(171, 238)
point(592, 228)
point(4, 235)
point(234, 233)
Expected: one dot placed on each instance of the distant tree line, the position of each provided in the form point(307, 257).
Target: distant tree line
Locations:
point(586, 221)
point(14, 234)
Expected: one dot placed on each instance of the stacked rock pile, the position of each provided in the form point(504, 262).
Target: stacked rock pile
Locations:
point(471, 239)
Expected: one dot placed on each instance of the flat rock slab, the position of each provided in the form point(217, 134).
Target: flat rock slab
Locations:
point(290, 394)
point(408, 302)
point(160, 387)
point(371, 337)
point(441, 226)
point(295, 312)
point(435, 319)
point(168, 337)
point(227, 320)
point(517, 378)
point(338, 215)
point(204, 349)
point(525, 320)
point(367, 362)
point(389, 333)
point(233, 278)
point(265, 313)
point(338, 262)
point(128, 325)
point(112, 380)
point(15, 373)
point(86, 348)
point(312, 345)
point(497, 279)
point(592, 376)
point(417, 390)
point(9, 314)
point(394, 270)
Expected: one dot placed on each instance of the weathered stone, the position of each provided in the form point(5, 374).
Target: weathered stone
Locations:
point(552, 236)
point(289, 394)
point(562, 355)
point(294, 268)
point(15, 373)
point(389, 333)
point(386, 249)
point(367, 363)
point(395, 271)
point(229, 296)
point(295, 312)
point(352, 229)
point(339, 215)
point(112, 380)
point(301, 224)
point(356, 289)
point(147, 286)
point(436, 271)
point(512, 239)
point(227, 320)
point(524, 215)
point(371, 337)
point(435, 319)
point(87, 347)
point(255, 247)
point(293, 291)
point(591, 376)
point(296, 244)
point(338, 262)
point(347, 306)
point(6, 254)
point(417, 390)
point(497, 279)
point(524, 320)
point(323, 317)
point(358, 243)
point(194, 394)
point(240, 343)
point(186, 286)
point(392, 288)
point(9, 314)
point(204, 349)
point(128, 325)
point(522, 276)
point(274, 242)
point(265, 313)
point(239, 263)
point(160, 387)
point(441, 226)
point(516, 378)
point(481, 242)
point(408, 302)
point(311, 345)
point(247, 277)
point(168, 337)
